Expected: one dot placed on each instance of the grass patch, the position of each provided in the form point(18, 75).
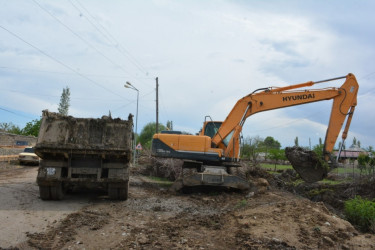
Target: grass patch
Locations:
point(271, 167)
point(361, 212)
point(297, 182)
point(315, 192)
point(272, 172)
point(161, 181)
point(241, 203)
point(346, 170)
point(332, 182)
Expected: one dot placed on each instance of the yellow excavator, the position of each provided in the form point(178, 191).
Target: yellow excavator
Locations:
point(211, 158)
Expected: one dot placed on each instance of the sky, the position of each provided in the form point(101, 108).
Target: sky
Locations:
point(206, 55)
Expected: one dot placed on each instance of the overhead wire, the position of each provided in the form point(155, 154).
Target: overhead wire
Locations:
point(6, 110)
point(131, 102)
point(125, 52)
point(54, 96)
point(81, 38)
point(59, 62)
point(58, 72)
point(112, 40)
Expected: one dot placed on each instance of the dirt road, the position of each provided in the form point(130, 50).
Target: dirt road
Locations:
point(156, 218)
point(22, 211)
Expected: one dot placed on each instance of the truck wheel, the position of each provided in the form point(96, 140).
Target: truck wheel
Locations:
point(112, 193)
point(56, 192)
point(119, 193)
point(44, 193)
point(123, 192)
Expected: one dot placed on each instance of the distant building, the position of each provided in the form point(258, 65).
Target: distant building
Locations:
point(351, 153)
point(12, 140)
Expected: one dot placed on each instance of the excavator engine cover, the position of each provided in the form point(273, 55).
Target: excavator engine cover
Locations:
point(306, 163)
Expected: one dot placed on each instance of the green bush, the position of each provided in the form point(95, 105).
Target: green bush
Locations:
point(361, 212)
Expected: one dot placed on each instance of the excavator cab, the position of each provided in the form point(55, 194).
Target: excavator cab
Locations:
point(210, 128)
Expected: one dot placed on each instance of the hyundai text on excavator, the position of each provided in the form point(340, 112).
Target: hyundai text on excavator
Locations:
point(211, 158)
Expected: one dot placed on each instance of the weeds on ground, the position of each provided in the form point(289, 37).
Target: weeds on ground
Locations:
point(241, 203)
point(361, 212)
point(332, 182)
point(317, 191)
point(161, 181)
point(297, 182)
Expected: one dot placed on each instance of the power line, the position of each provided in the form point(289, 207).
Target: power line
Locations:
point(74, 98)
point(112, 40)
point(81, 38)
point(125, 52)
point(127, 104)
point(59, 62)
point(58, 72)
point(16, 113)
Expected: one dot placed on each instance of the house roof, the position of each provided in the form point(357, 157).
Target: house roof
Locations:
point(351, 153)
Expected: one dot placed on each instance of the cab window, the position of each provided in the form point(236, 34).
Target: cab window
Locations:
point(211, 128)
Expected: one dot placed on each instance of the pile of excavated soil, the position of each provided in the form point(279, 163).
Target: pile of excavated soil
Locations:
point(155, 218)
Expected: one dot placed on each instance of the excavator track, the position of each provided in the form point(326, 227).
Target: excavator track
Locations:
point(213, 176)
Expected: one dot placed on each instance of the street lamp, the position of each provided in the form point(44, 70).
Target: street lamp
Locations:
point(130, 86)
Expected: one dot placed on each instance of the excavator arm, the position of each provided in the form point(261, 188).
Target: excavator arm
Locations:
point(344, 102)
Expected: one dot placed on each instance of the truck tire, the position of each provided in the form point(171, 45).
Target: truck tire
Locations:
point(119, 193)
point(44, 193)
point(56, 192)
point(123, 192)
point(112, 193)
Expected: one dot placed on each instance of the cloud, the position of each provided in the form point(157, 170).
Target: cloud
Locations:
point(207, 55)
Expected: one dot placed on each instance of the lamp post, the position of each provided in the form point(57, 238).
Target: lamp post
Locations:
point(130, 86)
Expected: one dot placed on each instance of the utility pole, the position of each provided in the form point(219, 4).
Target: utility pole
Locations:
point(157, 105)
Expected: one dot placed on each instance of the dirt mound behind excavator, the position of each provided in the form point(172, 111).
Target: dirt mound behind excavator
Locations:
point(307, 164)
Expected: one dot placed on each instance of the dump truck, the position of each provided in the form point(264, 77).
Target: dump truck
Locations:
point(212, 157)
point(83, 153)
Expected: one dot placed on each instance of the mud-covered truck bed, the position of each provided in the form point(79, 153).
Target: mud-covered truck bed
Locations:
point(83, 152)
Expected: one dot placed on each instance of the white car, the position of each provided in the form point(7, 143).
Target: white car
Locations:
point(28, 157)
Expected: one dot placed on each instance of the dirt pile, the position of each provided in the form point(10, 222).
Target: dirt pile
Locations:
point(153, 218)
point(66, 230)
point(307, 164)
point(168, 168)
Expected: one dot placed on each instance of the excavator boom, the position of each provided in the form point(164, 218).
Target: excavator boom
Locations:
point(344, 100)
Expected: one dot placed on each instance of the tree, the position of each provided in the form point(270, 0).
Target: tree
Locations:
point(276, 155)
point(363, 161)
point(148, 131)
point(296, 142)
point(170, 125)
point(270, 142)
point(320, 141)
point(32, 128)
point(318, 149)
point(354, 141)
point(64, 102)
point(10, 128)
point(252, 147)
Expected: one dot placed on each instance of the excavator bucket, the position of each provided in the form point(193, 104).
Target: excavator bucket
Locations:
point(307, 164)
point(212, 176)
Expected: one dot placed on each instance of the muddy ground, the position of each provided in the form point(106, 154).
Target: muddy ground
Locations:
point(155, 218)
